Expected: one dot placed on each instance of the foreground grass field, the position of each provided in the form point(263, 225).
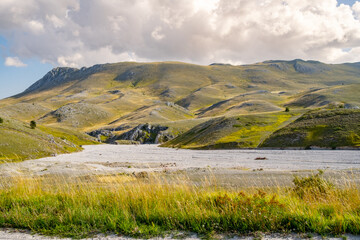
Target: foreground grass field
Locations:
point(146, 205)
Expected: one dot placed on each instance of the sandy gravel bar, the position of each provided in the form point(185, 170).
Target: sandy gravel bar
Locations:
point(130, 158)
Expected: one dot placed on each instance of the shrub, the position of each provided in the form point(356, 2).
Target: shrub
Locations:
point(287, 109)
point(33, 124)
point(1, 120)
point(313, 186)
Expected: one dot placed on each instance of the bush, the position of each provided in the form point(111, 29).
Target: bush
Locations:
point(33, 124)
point(1, 120)
point(313, 186)
point(287, 109)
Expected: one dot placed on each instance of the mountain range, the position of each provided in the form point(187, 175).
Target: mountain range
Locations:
point(192, 106)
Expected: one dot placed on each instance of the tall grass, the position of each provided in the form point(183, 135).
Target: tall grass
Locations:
point(146, 205)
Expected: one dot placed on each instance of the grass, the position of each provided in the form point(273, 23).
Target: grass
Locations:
point(70, 135)
point(150, 205)
point(253, 129)
point(19, 142)
point(323, 128)
point(244, 131)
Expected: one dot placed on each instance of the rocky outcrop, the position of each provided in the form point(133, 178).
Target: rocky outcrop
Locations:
point(108, 134)
point(53, 78)
point(61, 75)
point(78, 115)
point(309, 67)
point(147, 134)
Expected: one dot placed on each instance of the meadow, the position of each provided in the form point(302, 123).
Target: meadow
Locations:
point(145, 205)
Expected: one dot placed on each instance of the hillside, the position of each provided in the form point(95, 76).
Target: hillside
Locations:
point(19, 142)
point(326, 129)
point(109, 100)
point(245, 131)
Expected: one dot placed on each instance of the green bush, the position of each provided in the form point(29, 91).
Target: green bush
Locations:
point(287, 109)
point(33, 124)
point(1, 120)
point(312, 186)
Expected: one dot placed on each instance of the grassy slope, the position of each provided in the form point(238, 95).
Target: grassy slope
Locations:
point(19, 142)
point(322, 128)
point(245, 131)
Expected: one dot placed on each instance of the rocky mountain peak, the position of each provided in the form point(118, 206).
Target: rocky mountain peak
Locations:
point(53, 78)
point(61, 75)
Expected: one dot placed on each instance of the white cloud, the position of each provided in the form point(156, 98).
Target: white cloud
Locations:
point(156, 34)
point(14, 62)
point(356, 9)
point(35, 27)
point(86, 32)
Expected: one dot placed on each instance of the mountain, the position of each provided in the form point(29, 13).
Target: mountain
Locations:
point(109, 100)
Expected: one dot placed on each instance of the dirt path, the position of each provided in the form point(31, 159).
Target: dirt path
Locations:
point(11, 234)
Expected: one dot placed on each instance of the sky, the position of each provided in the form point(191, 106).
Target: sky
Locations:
point(38, 35)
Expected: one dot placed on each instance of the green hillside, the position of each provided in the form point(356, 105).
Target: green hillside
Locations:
point(19, 142)
point(319, 128)
point(245, 131)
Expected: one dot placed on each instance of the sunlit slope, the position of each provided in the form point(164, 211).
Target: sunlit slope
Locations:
point(129, 93)
point(347, 95)
point(245, 131)
point(18, 141)
point(319, 128)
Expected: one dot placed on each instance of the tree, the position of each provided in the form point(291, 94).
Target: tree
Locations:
point(32, 124)
point(1, 120)
point(287, 109)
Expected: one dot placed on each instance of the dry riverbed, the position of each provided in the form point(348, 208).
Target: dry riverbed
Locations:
point(238, 168)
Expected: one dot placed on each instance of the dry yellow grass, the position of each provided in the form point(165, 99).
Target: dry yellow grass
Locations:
point(148, 205)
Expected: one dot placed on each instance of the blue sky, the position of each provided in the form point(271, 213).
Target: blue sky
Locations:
point(13, 79)
point(348, 2)
point(40, 35)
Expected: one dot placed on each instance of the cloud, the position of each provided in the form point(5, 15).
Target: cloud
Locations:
point(86, 32)
point(14, 62)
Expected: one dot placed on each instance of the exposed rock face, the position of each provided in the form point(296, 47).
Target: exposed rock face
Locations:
point(309, 67)
point(146, 133)
point(280, 66)
point(53, 78)
point(220, 64)
point(101, 132)
point(78, 114)
point(351, 106)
